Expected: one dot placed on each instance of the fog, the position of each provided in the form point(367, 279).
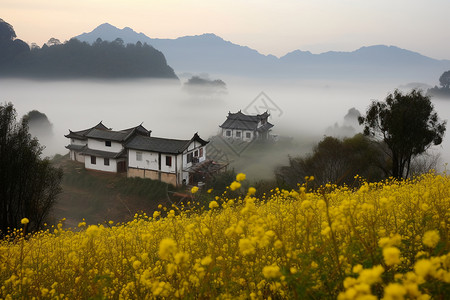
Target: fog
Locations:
point(300, 109)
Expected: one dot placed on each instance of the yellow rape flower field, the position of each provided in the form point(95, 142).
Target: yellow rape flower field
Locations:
point(385, 240)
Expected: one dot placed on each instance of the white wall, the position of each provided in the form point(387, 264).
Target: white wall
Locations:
point(242, 137)
point(149, 160)
point(99, 165)
point(194, 146)
point(180, 168)
point(100, 145)
point(76, 156)
point(165, 168)
point(78, 142)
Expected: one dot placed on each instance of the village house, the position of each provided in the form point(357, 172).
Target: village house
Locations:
point(240, 126)
point(134, 151)
point(167, 160)
point(101, 148)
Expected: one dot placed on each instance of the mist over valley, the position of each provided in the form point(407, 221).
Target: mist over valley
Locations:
point(305, 111)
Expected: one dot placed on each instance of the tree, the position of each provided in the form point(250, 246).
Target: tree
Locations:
point(29, 184)
point(53, 42)
point(7, 32)
point(444, 80)
point(336, 161)
point(407, 124)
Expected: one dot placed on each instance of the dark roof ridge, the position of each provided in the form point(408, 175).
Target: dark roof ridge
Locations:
point(160, 144)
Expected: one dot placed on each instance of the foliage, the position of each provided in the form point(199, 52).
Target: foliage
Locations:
point(76, 59)
point(198, 85)
point(11, 49)
point(407, 124)
point(444, 91)
point(220, 180)
point(29, 184)
point(336, 161)
point(383, 239)
point(7, 32)
point(196, 80)
point(444, 80)
point(38, 121)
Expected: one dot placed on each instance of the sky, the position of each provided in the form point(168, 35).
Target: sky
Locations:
point(269, 26)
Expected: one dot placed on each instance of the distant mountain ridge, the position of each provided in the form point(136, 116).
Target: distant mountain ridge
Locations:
point(212, 54)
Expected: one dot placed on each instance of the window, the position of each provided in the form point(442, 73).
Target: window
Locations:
point(248, 135)
point(93, 160)
point(139, 156)
point(169, 161)
point(106, 161)
point(201, 152)
point(196, 153)
point(108, 143)
point(228, 133)
point(189, 157)
point(238, 134)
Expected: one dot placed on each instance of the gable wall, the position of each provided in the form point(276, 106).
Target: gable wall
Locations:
point(78, 142)
point(100, 145)
point(149, 160)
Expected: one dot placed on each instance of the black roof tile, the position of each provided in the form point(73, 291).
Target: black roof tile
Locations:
point(162, 145)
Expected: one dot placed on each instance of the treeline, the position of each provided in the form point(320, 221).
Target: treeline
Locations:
point(74, 59)
point(397, 133)
point(29, 185)
point(444, 90)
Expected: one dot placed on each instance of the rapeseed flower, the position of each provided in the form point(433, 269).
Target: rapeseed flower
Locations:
point(251, 191)
point(235, 185)
point(284, 245)
point(391, 256)
point(431, 238)
point(240, 177)
point(167, 248)
point(394, 291)
point(213, 204)
point(271, 272)
point(246, 247)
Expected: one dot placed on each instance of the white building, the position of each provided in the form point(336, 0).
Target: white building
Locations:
point(134, 151)
point(244, 127)
point(167, 160)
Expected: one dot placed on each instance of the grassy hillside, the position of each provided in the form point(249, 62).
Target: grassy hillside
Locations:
point(99, 197)
point(385, 240)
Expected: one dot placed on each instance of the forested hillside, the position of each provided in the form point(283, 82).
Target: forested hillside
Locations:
point(75, 59)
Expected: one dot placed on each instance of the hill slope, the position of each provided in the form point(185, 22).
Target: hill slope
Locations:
point(75, 59)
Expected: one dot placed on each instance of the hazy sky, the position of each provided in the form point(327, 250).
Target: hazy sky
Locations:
point(269, 26)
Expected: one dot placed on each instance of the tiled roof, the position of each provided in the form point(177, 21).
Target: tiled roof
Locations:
point(105, 154)
point(244, 122)
point(265, 127)
point(206, 167)
point(162, 145)
point(76, 147)
point(102, 132)
point(81, 135)
point(117, 136)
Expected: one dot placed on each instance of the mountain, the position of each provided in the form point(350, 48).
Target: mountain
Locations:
point(212, 54)
point(198, 53)
point(373, 62)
